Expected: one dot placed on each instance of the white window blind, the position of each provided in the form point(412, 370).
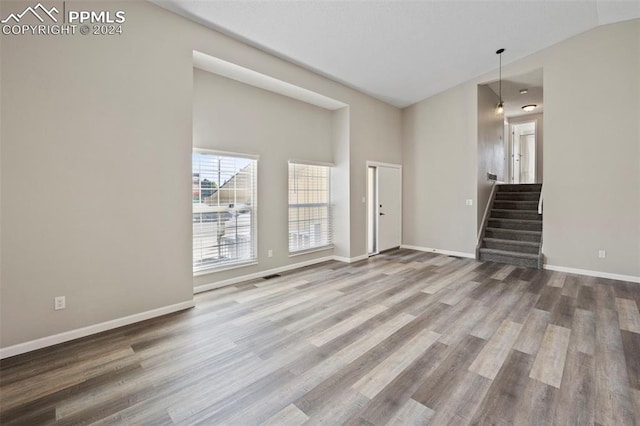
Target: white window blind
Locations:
point(309, 207)
point(224, 210)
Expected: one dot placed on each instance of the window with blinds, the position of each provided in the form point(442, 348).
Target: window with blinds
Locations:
point(309, 207)
point(224, 210)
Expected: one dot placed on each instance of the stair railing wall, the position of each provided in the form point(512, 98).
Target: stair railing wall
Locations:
point(540, 255)
point(485, 219)
point(540, 204)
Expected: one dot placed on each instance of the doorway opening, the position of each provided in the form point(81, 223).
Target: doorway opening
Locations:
point(384, 207)
point(523, 143)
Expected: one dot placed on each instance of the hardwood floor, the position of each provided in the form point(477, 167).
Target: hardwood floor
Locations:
point(403, 338)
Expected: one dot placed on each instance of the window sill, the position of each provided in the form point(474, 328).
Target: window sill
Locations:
point(217, 269)
point(311, 250)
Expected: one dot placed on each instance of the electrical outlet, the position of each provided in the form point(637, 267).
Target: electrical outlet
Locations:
point(602, 254)
point(469, 202)
point(270, 253)
point(59, 302)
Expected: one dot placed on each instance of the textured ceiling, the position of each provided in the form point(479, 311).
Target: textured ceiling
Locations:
point(402, 51)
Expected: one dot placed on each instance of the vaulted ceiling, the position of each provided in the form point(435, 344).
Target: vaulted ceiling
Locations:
point(402, 51)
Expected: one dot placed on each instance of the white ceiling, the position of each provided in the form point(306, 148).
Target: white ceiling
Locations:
point(402, 51)
point(513, 100)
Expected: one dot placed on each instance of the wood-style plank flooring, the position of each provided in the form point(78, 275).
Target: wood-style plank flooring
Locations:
point(403, 338)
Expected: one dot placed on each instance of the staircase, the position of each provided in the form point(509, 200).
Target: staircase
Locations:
point(513, 230)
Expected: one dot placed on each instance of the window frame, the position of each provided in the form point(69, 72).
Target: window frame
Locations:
point(253, 260)
point(329, 206)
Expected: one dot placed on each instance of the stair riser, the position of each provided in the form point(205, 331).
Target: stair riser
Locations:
point(507, 205)
point(519, 188)
point(526, 263)
point(511, 247)
point(520, 226)
point(512, 236)
point(518, 196)
point(520, 214)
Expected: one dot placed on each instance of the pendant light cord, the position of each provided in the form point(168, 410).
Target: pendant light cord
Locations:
point(499, 52)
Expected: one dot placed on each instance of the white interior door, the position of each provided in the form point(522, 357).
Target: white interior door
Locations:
point(528, 158)
point(523, 152)
point(389, 207)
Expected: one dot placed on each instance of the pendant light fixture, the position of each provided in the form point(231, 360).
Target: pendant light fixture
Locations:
point(500, 106)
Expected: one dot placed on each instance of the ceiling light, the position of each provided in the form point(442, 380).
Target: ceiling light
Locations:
point(524, 91)
point(529, 107)
point(500, 106)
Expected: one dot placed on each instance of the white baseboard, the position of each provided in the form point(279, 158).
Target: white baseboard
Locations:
point(247, 277)
point(599, 274)
point(438, 251)
point(351, 259)
point(119, 322)
point(43, 342)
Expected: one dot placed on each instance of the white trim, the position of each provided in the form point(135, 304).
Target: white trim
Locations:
point(380, 164)
point(223, 268)
point(311, 163)
point(254, 78)
point(66, 336)
point(227, 153)
point(486, 212)
point(599, 274)
point(311, 250)
point(235, 280)
point(376, 165)
point(351, 259)
point(540, 204)
point(438, 251)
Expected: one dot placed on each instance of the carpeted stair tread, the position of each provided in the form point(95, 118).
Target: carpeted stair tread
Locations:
point(515, 214)
point(531, 247)
point(533, 187)
point(512, 242)
point(517, 224)
point(509, 210)
point(509, 220)
point(516, 205)
point(518, 202)
point(509, 253)
point(515, 231)
point(521, 196)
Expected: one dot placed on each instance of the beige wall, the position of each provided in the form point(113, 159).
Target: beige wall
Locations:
point(491, 156)
point(234, 117)
point(95, 156)
point(340, 184)
point(592, 157)
point(102, 126)
point(591, 154)
point(376, 135)
point(440, 162)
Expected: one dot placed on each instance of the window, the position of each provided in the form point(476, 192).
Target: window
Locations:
point(309, 207)
point(224, 210)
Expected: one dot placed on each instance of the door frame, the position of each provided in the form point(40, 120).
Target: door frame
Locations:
point(376, 164)
point(511, 142)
